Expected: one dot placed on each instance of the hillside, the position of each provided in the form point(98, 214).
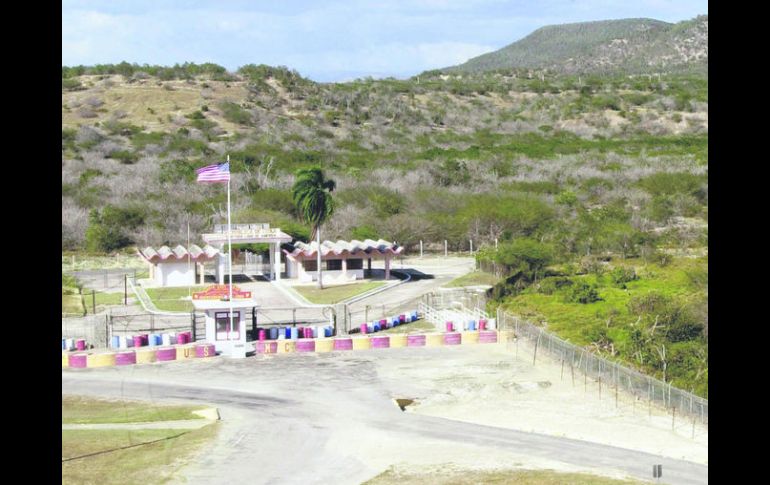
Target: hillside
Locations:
point(633, 46)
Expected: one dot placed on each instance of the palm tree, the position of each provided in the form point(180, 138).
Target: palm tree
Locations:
point(312, 197)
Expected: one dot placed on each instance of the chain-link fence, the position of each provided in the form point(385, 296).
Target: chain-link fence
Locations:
point(608, 376)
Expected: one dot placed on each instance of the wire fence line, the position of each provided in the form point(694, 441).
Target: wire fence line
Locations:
point(611, 375)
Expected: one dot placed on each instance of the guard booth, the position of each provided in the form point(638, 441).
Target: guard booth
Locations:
point(214, 302)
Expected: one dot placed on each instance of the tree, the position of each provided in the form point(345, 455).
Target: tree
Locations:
point(312, 197)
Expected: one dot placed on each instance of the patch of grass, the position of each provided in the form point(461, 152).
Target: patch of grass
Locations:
point(334, 294)
point(152, 463)
point(102, 300)
point(420, 326)
point(72, 304)
point(82, 410)
point(512, 477)
point(171, 299)
point(473, 279)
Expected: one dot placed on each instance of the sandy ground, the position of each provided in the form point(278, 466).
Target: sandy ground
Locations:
point(501, 390)
point(331, 418)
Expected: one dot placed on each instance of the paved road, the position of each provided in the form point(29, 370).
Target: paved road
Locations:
point(330, 418)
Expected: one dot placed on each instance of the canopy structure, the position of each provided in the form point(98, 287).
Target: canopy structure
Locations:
point(249, 234)
point(344, 260)
point(178, 266)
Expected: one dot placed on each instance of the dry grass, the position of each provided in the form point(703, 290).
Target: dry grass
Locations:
point(507, 477)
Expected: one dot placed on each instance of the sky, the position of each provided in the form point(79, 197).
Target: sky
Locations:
point(327, 40)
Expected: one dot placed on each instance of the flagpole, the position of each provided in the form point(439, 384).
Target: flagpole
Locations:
point(230, 251)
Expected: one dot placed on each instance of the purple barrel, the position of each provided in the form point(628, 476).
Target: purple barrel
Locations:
point(183, 338)
point(77, 360)
point(401, 318)
point(453, 338)
point(383, 322)
point(363, 329)
point(80, 344)
point(267, 347)
point(166, 353)
point(482, 324)
point(137, 341)
point(343, 343)
point(381, 342)
point(487, 336)
point(125, 358)
point(305, 345)
point(205, 350)
point(261, 335)
point(449, 327)
point(415, 340)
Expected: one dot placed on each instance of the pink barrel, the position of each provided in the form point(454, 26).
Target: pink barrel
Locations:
point(450, 327)
point(415, 340)
point(305, 345)
point(138, 341)
point(453, 338)
point(261, 335)
point(166, 353)
point(383, 323)
point(183, 338)
point(125, 358)
point(401, 318)
point(380, 342)
point(482, 324)
point(80, 344)
point(267, 347)
point(343, 343)
point(77, 360)
point(205, 350)
point(363, 329)
point(487, 336)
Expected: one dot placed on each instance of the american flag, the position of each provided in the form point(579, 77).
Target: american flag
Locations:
point(214, 173)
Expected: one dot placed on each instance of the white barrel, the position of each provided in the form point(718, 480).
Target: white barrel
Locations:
point(129, 341)
point(122, 343)
point(70, 343)
point(173, 339)
point(166, 339)
point(491, 324)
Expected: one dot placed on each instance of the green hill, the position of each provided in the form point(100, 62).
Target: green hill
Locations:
point(628, 45)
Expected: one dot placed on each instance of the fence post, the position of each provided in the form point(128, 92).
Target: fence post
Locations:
point(93, 302)
point(537, 342)
point(107, 319)
point(125, 289)
point(471, 241)
point(445, 248)
point(420, 248)
point(192, 325)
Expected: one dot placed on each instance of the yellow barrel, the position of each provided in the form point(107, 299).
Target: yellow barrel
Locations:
point(100, 360)
point(286, 346)
point(398, 340)
point(186, 351)
point(324, 344)
point(65, 360)
point(470, 337)
point(146, 356)
point(434, 339)
point(360, 343)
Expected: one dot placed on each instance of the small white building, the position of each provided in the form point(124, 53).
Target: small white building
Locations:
point(229, 339)
point(343, 261)
point(178, 267)
point(248, 234)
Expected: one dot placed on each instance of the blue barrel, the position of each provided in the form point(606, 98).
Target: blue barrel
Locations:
point(328, 331)
point(64, 344)
point(287, 333)
point(114, 342)
point(273, 333)
point(472, 325)
point(294, 333)
point(377, 327)
point(394, 322)
point(414, 316)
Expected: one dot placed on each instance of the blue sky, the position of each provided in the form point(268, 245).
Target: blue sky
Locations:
point(327, 40)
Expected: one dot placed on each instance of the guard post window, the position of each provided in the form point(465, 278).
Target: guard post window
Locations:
point(224, 332)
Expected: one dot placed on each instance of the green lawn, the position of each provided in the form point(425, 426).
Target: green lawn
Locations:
point(171, 299)
point(473, 279)
point(501, 477)
point(81, 410)
point(72, 305)
point(102, 300)
point(420, 326)
point(149, 463)
point(334, 294)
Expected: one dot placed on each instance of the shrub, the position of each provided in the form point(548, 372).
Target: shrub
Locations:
point(582, 292)
point(234, 113)
point(620, 276)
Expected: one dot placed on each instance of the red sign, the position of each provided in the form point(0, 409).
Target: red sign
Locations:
point(221, 292)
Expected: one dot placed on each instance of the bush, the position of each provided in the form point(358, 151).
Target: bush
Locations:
point(582, 292)
point(233, 113)
point(550, 286)
point(621, 276)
